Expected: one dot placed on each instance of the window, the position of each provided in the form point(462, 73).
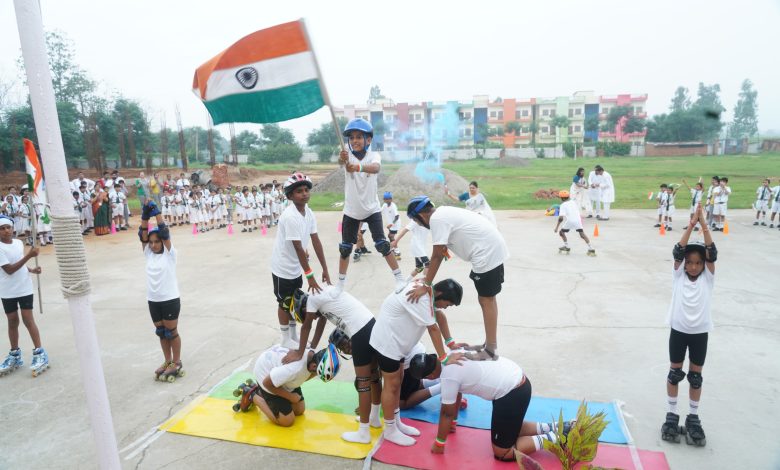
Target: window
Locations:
point(552, 113)
point(525, 130)
point(605, 110)
point(637, 110)
point(578, 112)
point(570, 129)
point(577, 129)
point(493, 114)
point(517, 114)
point(417, 133)
point(418, 117)
point(545, 112)
point(468, 132)
point(571, 113)
point(545, 130)
point(525, 113)
point(389, 119)
point(500, 115)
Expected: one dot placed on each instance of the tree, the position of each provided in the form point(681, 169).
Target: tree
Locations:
point(246, 141)
point(533, 127)
point(681, 101)
point(591, 124)
point(634, 124)
point(273, 134)
point(709, 109)
point(556, 123)
point(375, 94)
point(745, 122)
point(616, 114)
point(483, 132)
point(513, 127)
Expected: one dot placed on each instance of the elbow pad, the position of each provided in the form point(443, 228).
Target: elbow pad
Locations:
point(165, 233)
point(711, 253)
point(678, 252)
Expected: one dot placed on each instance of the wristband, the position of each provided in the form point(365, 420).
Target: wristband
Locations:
point(309, 274)
point(428, 283)
point(440, 442)
point(449, 342)
point(360, 167)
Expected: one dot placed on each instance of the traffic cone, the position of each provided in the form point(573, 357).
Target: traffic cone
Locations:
point(725, 228)
point(194, 229)
point(113, 228)
point(263, 230)
point(338, 227)
point(662, 230)
point(230, 229)
point(596, 231)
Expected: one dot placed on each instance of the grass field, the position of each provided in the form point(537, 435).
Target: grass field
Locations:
point(513, 187)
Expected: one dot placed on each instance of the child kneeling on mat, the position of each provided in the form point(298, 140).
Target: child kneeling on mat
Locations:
point(501, 381)
point(277, 393)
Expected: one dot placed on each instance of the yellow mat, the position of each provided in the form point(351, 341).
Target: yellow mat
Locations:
point(316, 431)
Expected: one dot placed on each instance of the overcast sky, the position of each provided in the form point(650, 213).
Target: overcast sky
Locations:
point(430, 50)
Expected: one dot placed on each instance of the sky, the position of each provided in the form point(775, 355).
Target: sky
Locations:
point(428, 50)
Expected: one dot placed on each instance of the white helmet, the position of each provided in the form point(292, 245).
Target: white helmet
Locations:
point(296, 179)
point(329, 364)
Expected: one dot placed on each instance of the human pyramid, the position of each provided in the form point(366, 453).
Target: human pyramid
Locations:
point(392, 369)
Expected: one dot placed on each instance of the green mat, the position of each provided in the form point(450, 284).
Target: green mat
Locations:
point(331, 397)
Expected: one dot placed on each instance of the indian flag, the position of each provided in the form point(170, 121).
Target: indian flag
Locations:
point(270, 75)
point(35, 183)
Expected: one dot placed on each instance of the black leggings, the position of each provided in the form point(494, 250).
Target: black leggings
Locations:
point(350, 227)
point(695, 344)
point(508, 415)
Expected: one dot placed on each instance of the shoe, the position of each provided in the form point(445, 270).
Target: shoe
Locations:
point(755, 223)
point(657, 225)
point(589, 216)
point(598, 217)
point(763, 224)
point(695, 229)
point(771, 225)
point(668, 228)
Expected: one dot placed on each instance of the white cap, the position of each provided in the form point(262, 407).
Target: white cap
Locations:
point(6, 221)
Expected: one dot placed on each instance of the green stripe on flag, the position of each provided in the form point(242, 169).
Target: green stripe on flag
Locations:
point(267, 106)
point(30, 183)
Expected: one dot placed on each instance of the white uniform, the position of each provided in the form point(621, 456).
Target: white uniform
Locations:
point(469, 236)
point(117, 203)
point(360, 189)
point(689, 311)
point(479, 205)
point(286, 376)
point(292, 227)
point(662, 199)
point(571, 215)
point(161, 283)
point(401, 324)
point(763, 195)
point(165, 202)
point(696, 195)
point(195, 210)
point(390, 216)
point(594, 193)
point(489, 380)
point(18, 284)
point(669, 210)
point(776, 199)
point(419, 239)
point(721, 197)
point(607, 193)
point(340, 308)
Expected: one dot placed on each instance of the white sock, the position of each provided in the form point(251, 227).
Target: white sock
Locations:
point(539, 440)
point(394, 435)
point(342, 281)
point(373, 417)
point(427, 383)
point(285, 329)
point(542, 428)
point(398, 274)
point(404, 428)
point(694, 407)
point(672, 404)
point(293, 330)
point(566, 244)
point(434, 389)
point(361, 436)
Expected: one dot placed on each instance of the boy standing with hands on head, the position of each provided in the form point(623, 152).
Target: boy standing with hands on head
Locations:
point(289, 262)
point(763, 195)
point(360, 198)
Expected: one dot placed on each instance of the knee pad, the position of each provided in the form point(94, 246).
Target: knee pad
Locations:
point(375, 376)
point(676, 375)
point(366, 386)
point(170, 334)
point(383, 246)
point(345, 249)
point(695, 379)
point(160, 331)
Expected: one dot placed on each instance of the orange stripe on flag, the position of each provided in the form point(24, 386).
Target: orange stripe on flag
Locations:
point(276, 41)
point(32, 158)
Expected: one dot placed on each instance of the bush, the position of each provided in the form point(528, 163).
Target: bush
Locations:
point(282, 153)
point(539, 152)
point(324, 153)
point(568, 149)
point(614, 148)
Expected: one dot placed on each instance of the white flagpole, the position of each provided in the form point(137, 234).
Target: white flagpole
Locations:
point(34, 232)
point(71, 255)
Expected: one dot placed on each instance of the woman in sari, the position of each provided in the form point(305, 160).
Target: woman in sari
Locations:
point(102, 211)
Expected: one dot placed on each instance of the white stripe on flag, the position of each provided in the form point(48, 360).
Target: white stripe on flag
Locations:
point(273, 73)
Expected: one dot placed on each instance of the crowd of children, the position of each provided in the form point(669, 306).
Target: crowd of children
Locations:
point(714, 203)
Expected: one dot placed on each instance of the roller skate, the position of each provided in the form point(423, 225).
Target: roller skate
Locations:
point(245, 392)
point(694, 433)
point(671, 429)
point(173, 371)
point(564, 250)
point(356, 256)
point(591, 252)
point(159, 372)
point(40, 362)
point(12, 362)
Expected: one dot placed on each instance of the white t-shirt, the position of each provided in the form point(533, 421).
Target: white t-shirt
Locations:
point(182, 182)
point(389, 214)
point(401, 323)
point(287, 376)
point(470, 236)
point(571, 215)
point(18, 284)
point(691, 302)
point(479, 205)
point(489, 380)
point(340, 308)
point(360, 199)
point(695, 197)
point(419, 239)
point(722, 195)
point(292, 226)
point(417, 349)
point(776, 194)
point(161, 283)
point(763, 193)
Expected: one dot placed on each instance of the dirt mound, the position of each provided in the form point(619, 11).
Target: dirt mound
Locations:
point(511, 162)
point(413, 180)
point(546, 194)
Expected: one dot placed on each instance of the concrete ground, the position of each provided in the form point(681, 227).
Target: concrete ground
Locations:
point(581, 327)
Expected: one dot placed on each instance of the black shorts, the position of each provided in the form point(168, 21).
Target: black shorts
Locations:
point(422, 262)
point(409, 385)
point(564, 230)
point(508, 415)
point(696, 344)
point(21, 303)
point(488, 284)
point(350, 226)
point(386, 364)
point(165, 310)
point(362, 352)
point(285, 287)
point(279, 405)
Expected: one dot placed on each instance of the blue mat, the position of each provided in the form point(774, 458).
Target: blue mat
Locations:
point(478, 413)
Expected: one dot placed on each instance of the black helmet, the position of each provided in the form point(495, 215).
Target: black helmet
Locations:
point(422, 365)
point(449, 289)
point(696, 247)
point(295, 305)
point(340, 339)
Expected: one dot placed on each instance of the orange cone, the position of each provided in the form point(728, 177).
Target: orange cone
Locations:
point(726, 228)
point(596, 231)
point(662, 230)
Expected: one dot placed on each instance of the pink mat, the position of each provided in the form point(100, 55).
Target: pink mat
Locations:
point(470, 448)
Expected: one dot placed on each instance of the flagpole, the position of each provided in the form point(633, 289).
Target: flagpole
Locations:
point(323, 89)
point(70, 251)
point(34, 232)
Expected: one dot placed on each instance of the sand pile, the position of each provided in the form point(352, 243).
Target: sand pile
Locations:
point(547, 194)
point(407, 183)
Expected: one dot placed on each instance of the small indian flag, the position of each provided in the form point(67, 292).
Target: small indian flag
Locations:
point(270, 75)
point(35, 183)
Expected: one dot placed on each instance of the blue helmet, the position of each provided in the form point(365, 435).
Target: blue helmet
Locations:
point(359, 124)
point(387, 195)
point(416, 204)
